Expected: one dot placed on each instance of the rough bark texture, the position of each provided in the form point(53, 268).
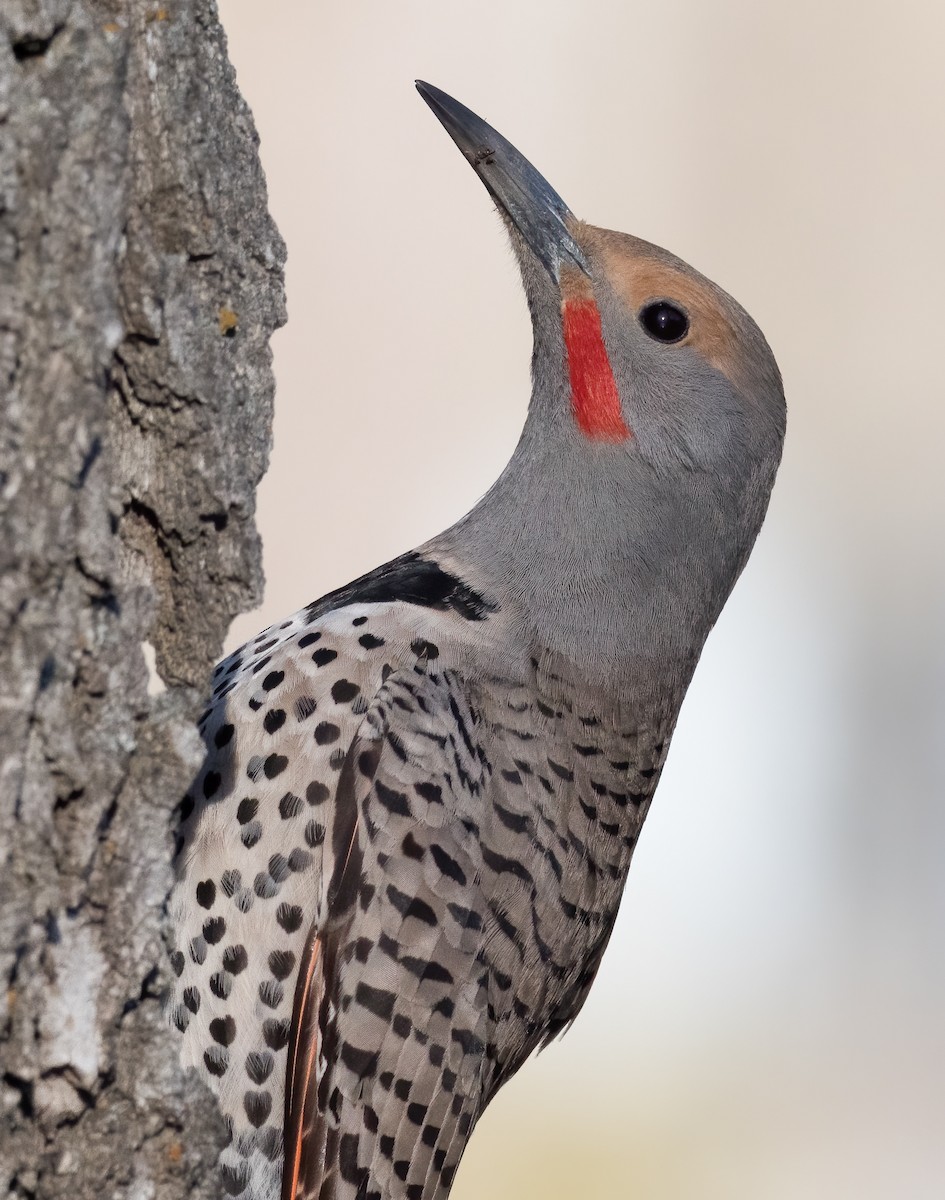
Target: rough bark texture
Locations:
point(140, 281)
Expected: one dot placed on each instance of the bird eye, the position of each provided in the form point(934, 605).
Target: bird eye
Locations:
point(664, 321)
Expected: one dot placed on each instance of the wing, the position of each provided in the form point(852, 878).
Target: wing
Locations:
point(390, 1029)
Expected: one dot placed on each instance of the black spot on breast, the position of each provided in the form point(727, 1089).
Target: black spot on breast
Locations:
point(192, 999)
point(309, 639)
point(206, 893)
point(326, 733)
point(279, 868)
point(276, 1033)
point(290, 806)
point(220, 985)
point(271, 993)
point(321, 658)
point(274, 720)
point(230, 882)
point(274, 765)
point(370, 642)
point(235, 1178)
point(211, 784)
point(213, 929)
point(281, 963)
point(259, 1064)
point(314, 834)
point(343, 691)
point(216, 1060)
point(258, 1106)
point(289, 917)
point(177, 962)
point(272, 680)
point(223, 1030)
point(299, 860)
point(368, 760)
point(251, 834)
point(265, 886)
point(269, 1142)
point(316, 793)
point(235, 959)
point(247, 809)
point(424, 649)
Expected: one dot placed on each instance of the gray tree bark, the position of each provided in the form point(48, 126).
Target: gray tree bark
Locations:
point(140, 281)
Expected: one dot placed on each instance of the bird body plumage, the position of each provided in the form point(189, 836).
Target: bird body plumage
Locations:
point(450, 824)
point(401, 862)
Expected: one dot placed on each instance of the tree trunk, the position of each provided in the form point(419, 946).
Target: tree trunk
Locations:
point(140, 281)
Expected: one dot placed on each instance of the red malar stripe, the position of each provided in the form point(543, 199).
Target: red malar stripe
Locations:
point(594, 396)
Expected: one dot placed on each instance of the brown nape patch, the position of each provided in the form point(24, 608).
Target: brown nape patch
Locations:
point(639, 274)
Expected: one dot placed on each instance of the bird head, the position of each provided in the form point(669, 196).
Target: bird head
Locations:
point(657, 414)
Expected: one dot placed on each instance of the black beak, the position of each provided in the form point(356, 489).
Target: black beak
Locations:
point(531, 204)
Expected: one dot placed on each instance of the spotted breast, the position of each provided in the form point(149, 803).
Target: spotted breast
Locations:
point(398, 870)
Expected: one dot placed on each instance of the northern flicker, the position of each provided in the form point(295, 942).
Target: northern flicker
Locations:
point(402, 860)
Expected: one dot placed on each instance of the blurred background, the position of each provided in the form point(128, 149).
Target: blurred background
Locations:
point(768, 1021)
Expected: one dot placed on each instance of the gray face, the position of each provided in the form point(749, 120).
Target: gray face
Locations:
point(623, 550)
point(709, 400)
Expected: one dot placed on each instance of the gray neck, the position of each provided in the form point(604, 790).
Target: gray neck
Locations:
point(618, 567)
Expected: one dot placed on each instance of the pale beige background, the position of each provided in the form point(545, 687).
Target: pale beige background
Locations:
point(768, 1023)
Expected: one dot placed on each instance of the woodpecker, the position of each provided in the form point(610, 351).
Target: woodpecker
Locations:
point(400, 865)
